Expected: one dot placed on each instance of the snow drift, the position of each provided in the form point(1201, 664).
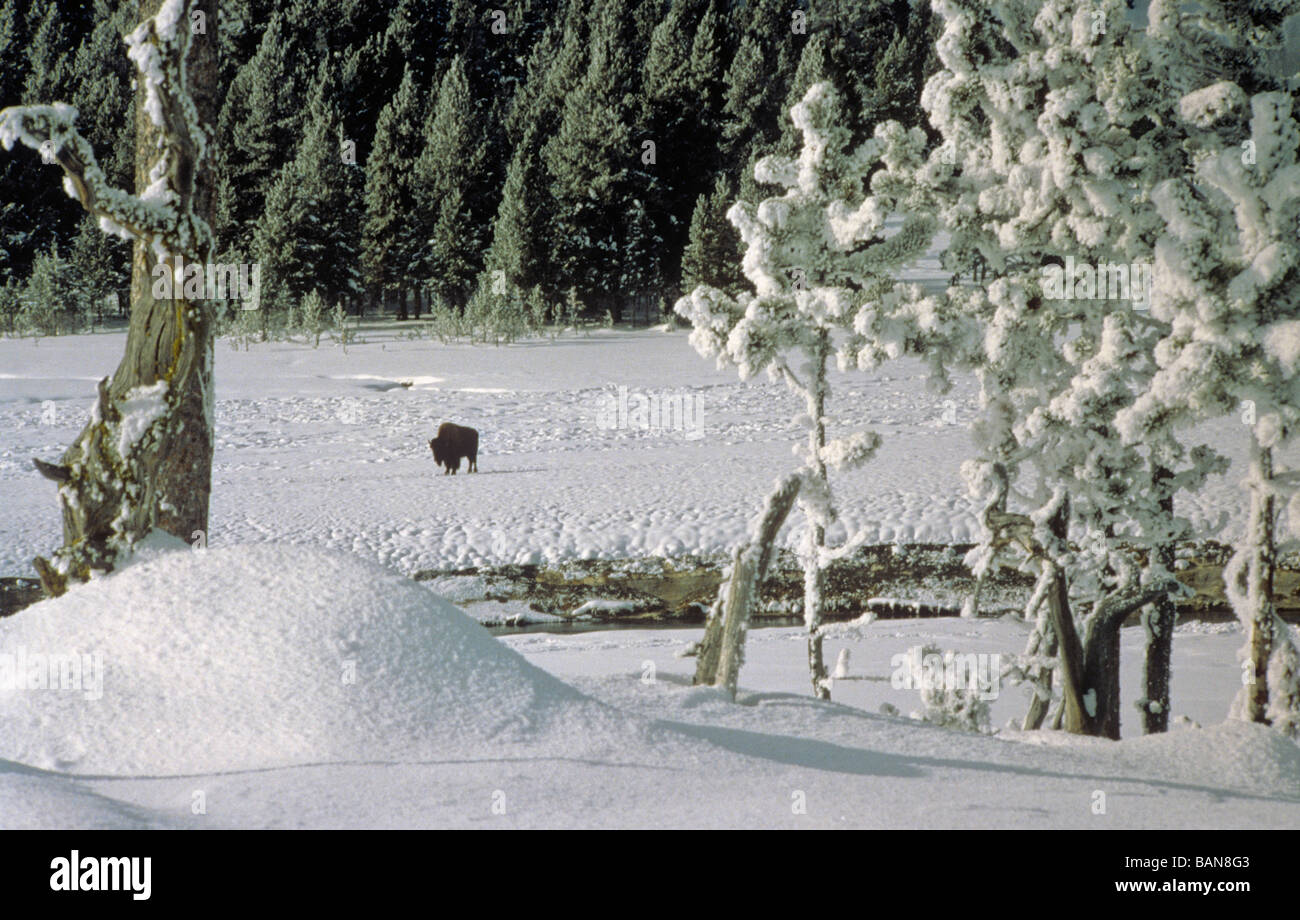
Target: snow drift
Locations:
point(263, 656)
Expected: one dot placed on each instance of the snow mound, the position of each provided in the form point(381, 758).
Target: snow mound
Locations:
point(248, 657)
point(1231, 751)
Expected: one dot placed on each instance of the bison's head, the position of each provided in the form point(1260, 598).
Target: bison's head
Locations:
point(437, 452)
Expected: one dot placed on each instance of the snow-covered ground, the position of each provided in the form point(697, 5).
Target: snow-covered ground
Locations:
point(321, 448)
point(224, 702)
point(284, 687)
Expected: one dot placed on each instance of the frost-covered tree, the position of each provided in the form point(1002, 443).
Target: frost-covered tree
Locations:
point(144, 459)
point(820, 264)
point(1228, 289)
point(1042, 176)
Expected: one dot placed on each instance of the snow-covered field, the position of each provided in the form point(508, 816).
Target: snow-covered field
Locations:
point(261, 683)
point(283, 687)
point(322, 448)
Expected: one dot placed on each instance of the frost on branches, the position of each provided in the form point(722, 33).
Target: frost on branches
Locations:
point(1226, 290)
point(1041, 179)
point(1228, 285)
point(132, 468)
point(822, 269)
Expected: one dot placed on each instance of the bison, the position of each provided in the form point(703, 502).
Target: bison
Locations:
point(452, 443)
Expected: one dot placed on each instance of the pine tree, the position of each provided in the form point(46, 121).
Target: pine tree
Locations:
point(101, 77)
point(390, 242)
point(261, 123)
point(451, 193)
point(308, 237)
point(711, 256)
point(671, 109)
point(521, 246)
point(37, 214)
point(517, 250)
point(15, 224)
point(590, 159)
point(48, 300)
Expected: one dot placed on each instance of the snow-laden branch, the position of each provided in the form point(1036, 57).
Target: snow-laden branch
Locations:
point(161, 216)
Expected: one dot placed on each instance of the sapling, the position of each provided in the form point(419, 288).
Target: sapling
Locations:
point(821, 265)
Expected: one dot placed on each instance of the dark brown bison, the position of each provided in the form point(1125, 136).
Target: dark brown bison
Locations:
point(452, 443)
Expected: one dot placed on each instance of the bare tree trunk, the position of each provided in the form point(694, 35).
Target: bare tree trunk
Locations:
point(1257, 611)
point(1070, 655)
point(814, 572)
point(1158, 621)
point(1041, 644)
point(721, 652)
point(116, 482)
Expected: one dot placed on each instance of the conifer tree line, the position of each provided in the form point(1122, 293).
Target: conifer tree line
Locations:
point(400, 155)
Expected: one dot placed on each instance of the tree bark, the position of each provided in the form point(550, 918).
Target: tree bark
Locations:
point(110, 498)
point(1258, 615)
point(1158, 621)
point(814, 571)
point(721, 651)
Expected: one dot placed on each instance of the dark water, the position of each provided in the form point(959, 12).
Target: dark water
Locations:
point(587, 626)
point(1215, 615)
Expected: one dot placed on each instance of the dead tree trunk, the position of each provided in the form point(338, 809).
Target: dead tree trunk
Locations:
point(144, 460)
point(721, 652)
point(1042, 644)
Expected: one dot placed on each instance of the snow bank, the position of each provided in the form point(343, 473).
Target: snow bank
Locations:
point(250, 657)
point(1232, 752)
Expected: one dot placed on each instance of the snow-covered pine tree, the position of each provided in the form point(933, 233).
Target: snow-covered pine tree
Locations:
point(47, 300)
point(668, 117)
point(756, 81)
point(713, 242)
point(820, 263)
point(144, 460)
point(1228, 288)
point(598, 180)
point(523, 230)
point(516, 248)
point(1045, 162)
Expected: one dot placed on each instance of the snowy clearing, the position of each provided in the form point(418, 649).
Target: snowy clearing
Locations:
point(286, 687)
point(321, 448)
